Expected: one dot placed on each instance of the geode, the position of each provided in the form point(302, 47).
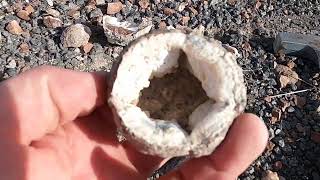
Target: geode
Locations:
point(176, 94)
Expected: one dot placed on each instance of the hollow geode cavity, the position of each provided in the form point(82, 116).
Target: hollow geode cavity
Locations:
point(168, 120)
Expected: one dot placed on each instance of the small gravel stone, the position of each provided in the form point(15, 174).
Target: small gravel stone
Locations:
point(100, 2)
point(168, 11)
point(52, 22)
point(291, 109)
point(114, 7)
point(278, 131)
point(74, 13)
point(185, 20)
point(23, 14)
point(14, 28)
point(53, 12)
point(29, 9)
point(281, 143)
point(75, 36)
point(96, 13)
point(162, 25)
point(144, 4)
point(182, 6)
point(24, 48)
point(87, 47)
point(269, 175)
point(12, 63)
point(50, 2)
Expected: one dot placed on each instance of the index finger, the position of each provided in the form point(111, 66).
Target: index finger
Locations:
point(37, 101)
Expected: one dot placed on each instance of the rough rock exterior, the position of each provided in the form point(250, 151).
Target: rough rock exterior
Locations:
point(157, 54)
point(75, 36)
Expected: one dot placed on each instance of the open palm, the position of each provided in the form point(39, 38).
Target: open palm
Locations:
point(55, 125)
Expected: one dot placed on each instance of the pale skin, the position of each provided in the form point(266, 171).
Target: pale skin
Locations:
point(55, 124)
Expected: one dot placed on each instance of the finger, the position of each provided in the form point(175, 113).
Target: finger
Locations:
point(244, 142)
point(36, 102)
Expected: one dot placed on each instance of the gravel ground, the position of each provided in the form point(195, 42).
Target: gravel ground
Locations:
point(30, 35)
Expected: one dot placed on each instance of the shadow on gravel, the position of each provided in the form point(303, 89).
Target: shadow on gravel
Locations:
point(265, 42)
point(97, 35)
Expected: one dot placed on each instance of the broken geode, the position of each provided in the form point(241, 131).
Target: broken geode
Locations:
point(123, 32)
point(176, 94)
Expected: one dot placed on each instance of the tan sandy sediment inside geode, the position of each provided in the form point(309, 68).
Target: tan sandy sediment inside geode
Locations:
point(174, 96)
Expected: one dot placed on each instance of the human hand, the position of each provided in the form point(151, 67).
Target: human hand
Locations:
point(54, 125)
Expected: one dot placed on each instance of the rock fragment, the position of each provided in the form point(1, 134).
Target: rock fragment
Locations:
point(24, 48)
point(276, 115)
point(162, 25)
point(52, 22)
point(14, 28)
point(185, 20)
point(144, 4)
point(75, 36)
point(182, 6)
point(123, 32)
point(87, 47)
point(114, 7)
point(12, 63)
point(53, 12)
point(232, 2)
point(29, 9)
point(23, 14)
point(286, 75)
point(269, 175)
point(100, 2)
point(50, 2)
point(168, 11)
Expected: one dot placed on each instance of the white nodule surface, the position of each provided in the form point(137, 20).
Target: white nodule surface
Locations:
point(156, 55)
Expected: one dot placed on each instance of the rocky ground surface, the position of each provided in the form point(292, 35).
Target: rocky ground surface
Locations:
point(37, 32)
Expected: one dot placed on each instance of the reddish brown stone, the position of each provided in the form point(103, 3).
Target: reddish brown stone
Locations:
point(114, 7)
point(168, 11)
point(144, 4)
point(162, 25)
point(29, 9)
point(87, 47)
point(14, 28)
point(23, 14)
point(24, 48)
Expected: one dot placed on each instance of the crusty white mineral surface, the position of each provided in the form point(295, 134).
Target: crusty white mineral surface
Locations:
point(170, 116)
